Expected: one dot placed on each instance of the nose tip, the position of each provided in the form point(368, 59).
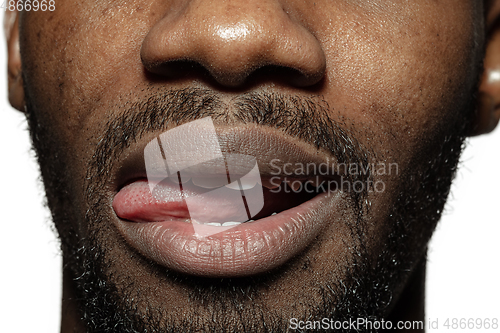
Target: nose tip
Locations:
point(233, 42)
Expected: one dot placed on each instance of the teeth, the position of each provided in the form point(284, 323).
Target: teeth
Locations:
point(229, 224)
point(225, 224)
point(217, 224)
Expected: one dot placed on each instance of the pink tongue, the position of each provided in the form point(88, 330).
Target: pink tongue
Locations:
point(135, 203)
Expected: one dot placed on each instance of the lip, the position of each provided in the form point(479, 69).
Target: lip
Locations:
point(245, 249)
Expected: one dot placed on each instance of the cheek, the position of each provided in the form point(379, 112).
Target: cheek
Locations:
point(405, 72)
point(74, 61)
point(400, 82)
point(76, 68)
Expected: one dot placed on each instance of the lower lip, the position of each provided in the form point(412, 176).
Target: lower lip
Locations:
point(245, 249)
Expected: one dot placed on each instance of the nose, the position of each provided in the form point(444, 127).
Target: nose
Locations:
point(233, 39)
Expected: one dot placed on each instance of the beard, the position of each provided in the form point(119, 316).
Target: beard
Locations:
point(364, 286)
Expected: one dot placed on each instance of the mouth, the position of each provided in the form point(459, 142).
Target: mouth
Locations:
point(195, 230)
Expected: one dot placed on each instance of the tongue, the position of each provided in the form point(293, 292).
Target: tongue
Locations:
point(136, 203)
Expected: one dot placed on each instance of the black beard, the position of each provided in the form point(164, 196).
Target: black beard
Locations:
point(366, 291)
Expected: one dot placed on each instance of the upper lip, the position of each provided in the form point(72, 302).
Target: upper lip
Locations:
point(272, 149)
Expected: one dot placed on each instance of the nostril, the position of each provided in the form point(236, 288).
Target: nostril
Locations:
point(286, 75)
point(178, 69)
point(276, 74)
point(188, 69)
point(193, 70)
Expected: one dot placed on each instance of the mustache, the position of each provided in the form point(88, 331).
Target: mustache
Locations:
point(306, 118)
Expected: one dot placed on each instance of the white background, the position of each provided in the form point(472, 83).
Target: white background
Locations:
point(463, 271)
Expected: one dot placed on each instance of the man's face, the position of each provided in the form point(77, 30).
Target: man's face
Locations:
point(384, 84)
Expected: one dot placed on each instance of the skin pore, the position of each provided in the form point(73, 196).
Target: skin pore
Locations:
point(398, 80)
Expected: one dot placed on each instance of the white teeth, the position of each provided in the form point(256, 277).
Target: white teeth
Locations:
point(216, 224)
point(229, 224)
point(209, 182)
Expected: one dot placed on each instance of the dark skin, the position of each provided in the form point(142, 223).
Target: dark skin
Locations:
point(395, 75)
